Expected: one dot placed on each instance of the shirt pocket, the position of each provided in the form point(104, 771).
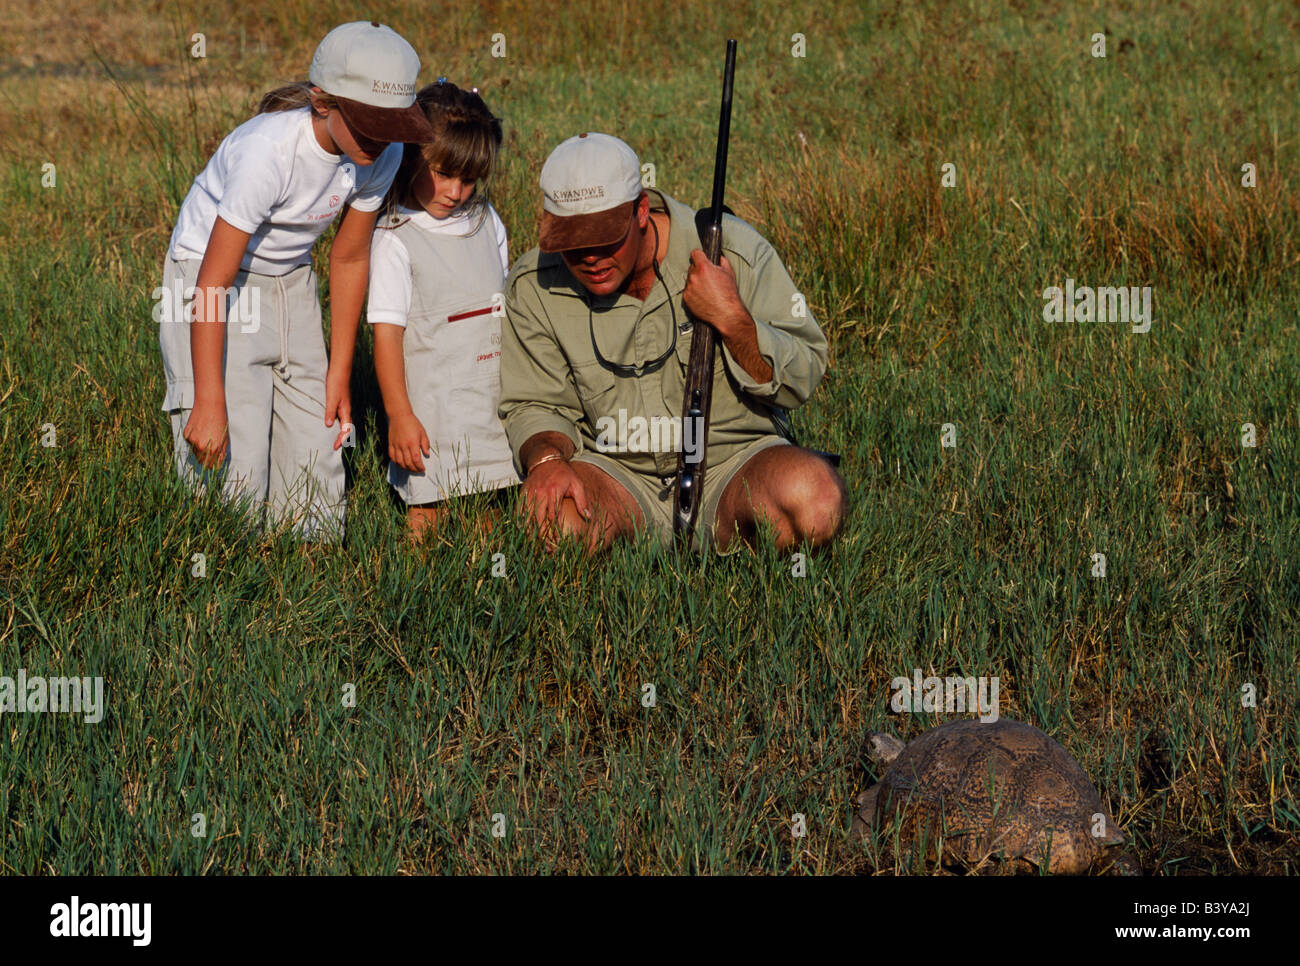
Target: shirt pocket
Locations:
point(596, 390)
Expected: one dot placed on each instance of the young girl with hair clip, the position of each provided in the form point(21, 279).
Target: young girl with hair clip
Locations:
point(261, 398)
point(438, 262)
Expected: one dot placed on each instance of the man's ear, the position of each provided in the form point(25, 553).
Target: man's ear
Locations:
point(642, 209)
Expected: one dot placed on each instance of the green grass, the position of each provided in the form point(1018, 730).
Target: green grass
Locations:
point(521, 695)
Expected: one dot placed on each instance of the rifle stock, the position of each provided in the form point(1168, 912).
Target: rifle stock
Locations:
point(699, 370)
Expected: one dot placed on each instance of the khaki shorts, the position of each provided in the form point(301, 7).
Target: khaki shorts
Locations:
point(654, 495)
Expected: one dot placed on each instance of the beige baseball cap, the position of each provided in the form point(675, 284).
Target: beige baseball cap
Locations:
point(590, 184)
point(371, 71)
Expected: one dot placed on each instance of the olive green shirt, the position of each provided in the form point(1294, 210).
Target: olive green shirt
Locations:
point(552, 379)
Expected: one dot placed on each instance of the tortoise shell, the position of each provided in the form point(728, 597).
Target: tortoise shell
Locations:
point(998, 790)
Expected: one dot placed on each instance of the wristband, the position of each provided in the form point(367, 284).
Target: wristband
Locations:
point(544, 459)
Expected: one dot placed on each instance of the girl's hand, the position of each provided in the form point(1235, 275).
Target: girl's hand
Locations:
point(349, 273)
point(208, 428)
point(407, 442)
point(338, 403)
point(208, 432)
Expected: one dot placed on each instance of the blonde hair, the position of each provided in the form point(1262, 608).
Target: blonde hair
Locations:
point(293, 96)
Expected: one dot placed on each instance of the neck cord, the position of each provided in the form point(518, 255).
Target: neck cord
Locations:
point(637, 371)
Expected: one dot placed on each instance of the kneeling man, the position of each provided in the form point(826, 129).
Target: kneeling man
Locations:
point(593, 366)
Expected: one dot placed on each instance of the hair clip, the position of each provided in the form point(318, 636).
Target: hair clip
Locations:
point(441, 80)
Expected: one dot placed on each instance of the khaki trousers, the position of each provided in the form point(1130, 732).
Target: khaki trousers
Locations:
point(281, 460)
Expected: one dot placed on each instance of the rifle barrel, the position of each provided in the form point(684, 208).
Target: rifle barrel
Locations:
point(699, 369)
point(724, 136)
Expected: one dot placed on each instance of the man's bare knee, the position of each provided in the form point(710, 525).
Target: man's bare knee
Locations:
point(809, 496)
point(817, 501)
point(592, 532)
point(614, 511)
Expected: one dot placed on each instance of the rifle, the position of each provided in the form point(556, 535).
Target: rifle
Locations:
point(699, 370)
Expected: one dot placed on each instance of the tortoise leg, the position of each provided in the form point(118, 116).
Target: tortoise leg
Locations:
point(1120, 863)
point(865, 819)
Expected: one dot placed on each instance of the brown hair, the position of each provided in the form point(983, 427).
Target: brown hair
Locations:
point(467, 138)
point(292, 96)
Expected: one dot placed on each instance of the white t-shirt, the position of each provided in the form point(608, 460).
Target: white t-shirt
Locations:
point(390, 263)
point(270, 177)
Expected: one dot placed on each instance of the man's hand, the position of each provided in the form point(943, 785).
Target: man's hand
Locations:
point(545, 490)
point(407, 442)
point(711, 295)
point(208, 432)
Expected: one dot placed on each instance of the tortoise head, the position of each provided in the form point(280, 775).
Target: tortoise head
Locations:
point(1112, 836)
point(881, 748)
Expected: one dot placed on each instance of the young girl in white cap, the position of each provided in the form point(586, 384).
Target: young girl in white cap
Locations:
point(438, 264)
point(250, 386)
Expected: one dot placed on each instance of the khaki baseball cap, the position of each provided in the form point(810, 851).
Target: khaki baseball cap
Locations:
point(371, 71)
point(590, 184)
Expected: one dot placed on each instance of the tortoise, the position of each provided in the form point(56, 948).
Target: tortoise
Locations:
point(1000, 789)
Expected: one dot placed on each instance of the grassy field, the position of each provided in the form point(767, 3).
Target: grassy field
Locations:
point(521, 696)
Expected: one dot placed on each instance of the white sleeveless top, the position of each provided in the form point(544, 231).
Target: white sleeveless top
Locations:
point(442, 280)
